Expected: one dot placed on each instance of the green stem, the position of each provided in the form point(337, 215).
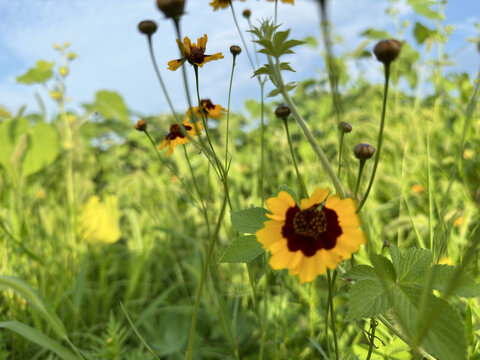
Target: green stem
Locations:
point(332, 312)
point(301, 183)
point(159, 77)
point(360, 170)
point(380, 136)
point(228, 113)
point(342, 134)
point(262, 141)
point(276, 11)
point(241, 37)
point(373, 326)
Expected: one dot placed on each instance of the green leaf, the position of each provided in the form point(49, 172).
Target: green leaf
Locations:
point(274, 92)
point(11, 132)
point(243, 249)
point(111, 106)
point(285, 49)
point(376, 34)
point(360, 272)
point(423, 7)
point(422, 33)
point(412, 266)
point(249, 220)
point(43, 148)
point(310, 41)
point(383, 268)
point(279, 38)
point(264, 70)
point(39, 74)
point(286, 66)
point(38, 338)
point(464, 286)
point(367, 298)
point(395, 350)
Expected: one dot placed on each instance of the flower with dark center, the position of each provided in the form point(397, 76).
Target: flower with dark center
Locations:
point(209, 110)
point(193, 53)
point(177, 135)
point(313, 237)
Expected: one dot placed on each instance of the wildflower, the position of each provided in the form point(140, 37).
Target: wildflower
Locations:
point(176, 136)
point(171, 8)
point(285, 1)
point(282, 112)
point(141, 125)
point(417, 188)
point(220, 4)
point(310, 239)
point(247, 13)
point(63, 71)
point(193, 53)
point(458, 221)
point(209, 110)
point(345, 127)
point(99, 220)
point(147, 27)
point(235, 50)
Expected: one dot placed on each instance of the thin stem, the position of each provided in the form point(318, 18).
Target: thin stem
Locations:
point(373, 326)
point(360, 170)
point(228, 112)
point(380, 136)
point(159, 77)
point(241, 36)
point(332, 312)
point(276, 11)
point(342, 134)
point(301, 183)
point(262, 141)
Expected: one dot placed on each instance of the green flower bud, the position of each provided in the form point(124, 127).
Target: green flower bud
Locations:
point(147, 27)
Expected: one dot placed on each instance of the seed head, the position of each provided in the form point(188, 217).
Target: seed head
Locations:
point(246, 13)
point(282, 112)
point(141, 125)
point(147, 27)
point(345, 127)
point(363, 151)
point(171, 8)
point(387, 50)
point(235, 50)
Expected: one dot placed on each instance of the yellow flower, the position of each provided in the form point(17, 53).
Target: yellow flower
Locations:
point(193, 53)
point(418, 188)
point(99, 220)
point(285, 1)
point(220, 4)
point(312, 238)
point(209, 110)
point(176, 137)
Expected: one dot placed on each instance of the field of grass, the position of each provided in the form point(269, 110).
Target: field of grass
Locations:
point(111, 250)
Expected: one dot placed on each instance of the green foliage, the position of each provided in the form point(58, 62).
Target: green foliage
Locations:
point(424, 8)
point(41, 73)
point(111, 106)
point(242, 250)
point(422, 33)
point(250, 220)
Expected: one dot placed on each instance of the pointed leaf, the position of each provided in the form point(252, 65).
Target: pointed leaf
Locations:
point(249, 220)
point(241, 250)
point(38, 74)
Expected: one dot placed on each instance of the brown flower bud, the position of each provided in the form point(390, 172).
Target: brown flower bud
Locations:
point(246, 13)
point(345, 127)
point(235, 50)
point(282, 112)
point(387, 50)
point(171, 8)
point(141, 125)
point(147, 27)
point(363, 151)
point(386, 244)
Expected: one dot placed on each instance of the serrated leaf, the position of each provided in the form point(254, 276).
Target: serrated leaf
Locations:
point(395, 350)
point(465, 286)
point(241, 250)
point(360, 272)
point(411, 266)
point(111, 106)
point(279, 38)
point(383, 268)
point(249, 220)
point(38, 74)
point(288, 189)
point(367, 298)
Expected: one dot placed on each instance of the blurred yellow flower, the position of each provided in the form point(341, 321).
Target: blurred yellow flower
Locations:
point(468, 153)
point(418, 188)
point(176, 136)
point(193, 53)
point(99, 220)
point(220, 4)
point(62, 70)
point(284, 1)
point(458, 221)
point(209, 110)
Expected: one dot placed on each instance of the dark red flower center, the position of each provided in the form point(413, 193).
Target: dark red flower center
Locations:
point(311, 229)
point(207, 104)
point(176, 131)
point(196, 55)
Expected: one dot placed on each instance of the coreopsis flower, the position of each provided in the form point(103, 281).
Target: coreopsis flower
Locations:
point(99, 220)
point(193, 53)
point(313, 237)
point(220, 4)
point(209, 110)
point(285, 1)
point(177, 137)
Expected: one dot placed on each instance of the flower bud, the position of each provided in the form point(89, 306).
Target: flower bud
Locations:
point(246, 13)
point(171, 8)
point(282, 112)
point(387, 50)
point(62, 70)
point(345, 127)
point(147, 27)
point(141, 125)
point(235, 50)
point(363, 151)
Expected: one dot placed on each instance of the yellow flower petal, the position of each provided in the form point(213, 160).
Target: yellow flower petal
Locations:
point(269, 234)
point(317, 197)
point(175, 64)
point(279, 205)
point(202, 42)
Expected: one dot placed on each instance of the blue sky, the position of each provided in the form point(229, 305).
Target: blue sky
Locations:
point(113, 54)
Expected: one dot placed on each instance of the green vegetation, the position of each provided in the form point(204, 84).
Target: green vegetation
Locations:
point(109, 249)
